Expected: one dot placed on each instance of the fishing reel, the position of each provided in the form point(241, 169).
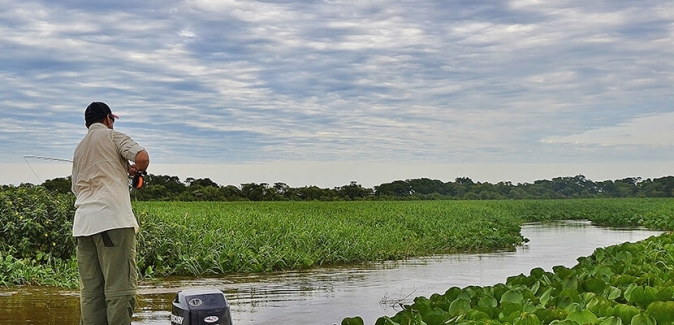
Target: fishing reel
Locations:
point(139, 179)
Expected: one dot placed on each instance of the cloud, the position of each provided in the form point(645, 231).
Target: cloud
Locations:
point(260, 81)
point(649, 131)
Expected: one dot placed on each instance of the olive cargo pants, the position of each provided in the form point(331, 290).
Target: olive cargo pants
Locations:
point(108, 277)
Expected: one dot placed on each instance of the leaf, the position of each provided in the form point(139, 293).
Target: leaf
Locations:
point(662, 311)
point(642, 296)
point(624, 256)
point(487, 302)
point(625, 312)
point(613, 293)
point(513, 296)
point(537, 273)
point(564, 322)
point(545, 297)
point(643, 319)
point(570, 283)
point(527, 319)
point(582, 317)
point(595, 285)
point(385, 321)
point(477, 315)
point(459, 307)
point(611, 321)
point(353, 321)
point(535, 287)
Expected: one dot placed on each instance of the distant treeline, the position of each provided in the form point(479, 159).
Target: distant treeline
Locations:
point(171, 188)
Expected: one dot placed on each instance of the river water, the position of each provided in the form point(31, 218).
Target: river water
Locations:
point(327, 295)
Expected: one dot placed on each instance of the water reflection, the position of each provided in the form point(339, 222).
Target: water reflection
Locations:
point(327, 295)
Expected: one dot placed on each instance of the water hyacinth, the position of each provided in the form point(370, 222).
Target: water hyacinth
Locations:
point(630, 283)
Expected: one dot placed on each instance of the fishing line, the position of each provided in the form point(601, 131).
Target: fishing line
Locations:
point(25, 157)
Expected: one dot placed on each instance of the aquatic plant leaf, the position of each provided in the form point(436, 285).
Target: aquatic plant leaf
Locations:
point(562, 271)
point(573, 307)
point(422, 305)
point(600, 306)
point(508, 308)
point(527, 319)
point(477, 315)
point(564, 322)
point(452, 293)
point(436, 316)
point(622, 280)
point(642, 296)
point(603, 271)
point(550, 314)
point(534, 288)
point(582, 317)
point(643, 319)
point(353, 321)
point(595, 285)
point(488, 302)
point(614, 293)
point(408, 316)
point(662, 311)
point(624, 256)
point(612, 320)
point(545, 297)
point(625, 312)
point(459, 307)
point(665, 294)
point(508, 318)
point(570, 283)
point(385, 321)
point(537, 273)
point(513, 296)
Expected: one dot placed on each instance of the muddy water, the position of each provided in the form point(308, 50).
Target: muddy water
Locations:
point(327, 295)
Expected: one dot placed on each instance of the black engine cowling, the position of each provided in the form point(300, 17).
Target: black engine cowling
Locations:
point(200, 307)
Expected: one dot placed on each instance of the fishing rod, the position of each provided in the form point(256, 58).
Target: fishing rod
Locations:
point(137, 182)
point(26, 157)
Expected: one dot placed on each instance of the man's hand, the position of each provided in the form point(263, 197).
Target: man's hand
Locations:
point(133, 169)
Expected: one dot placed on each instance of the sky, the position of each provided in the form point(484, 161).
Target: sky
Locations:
point(328, 92)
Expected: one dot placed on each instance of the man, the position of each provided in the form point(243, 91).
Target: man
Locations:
point(104, 226)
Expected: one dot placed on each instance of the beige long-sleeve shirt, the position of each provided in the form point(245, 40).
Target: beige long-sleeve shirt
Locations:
point(100, 181)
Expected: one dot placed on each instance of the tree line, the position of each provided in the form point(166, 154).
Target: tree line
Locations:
point(171, 188)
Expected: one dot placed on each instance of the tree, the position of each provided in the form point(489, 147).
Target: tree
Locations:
point(353, 191)
point(59, 185)
point(252, 191)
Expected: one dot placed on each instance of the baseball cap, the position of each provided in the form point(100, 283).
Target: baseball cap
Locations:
point(96, 111)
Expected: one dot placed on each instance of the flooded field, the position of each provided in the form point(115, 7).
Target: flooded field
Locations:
point(327, 295)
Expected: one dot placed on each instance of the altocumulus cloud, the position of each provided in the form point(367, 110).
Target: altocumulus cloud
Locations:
point(377, 81)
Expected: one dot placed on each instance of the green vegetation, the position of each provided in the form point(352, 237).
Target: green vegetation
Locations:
point(220, 237)
point(36, 244)
point(171, 188)
point(199, 238)
point(630, 283)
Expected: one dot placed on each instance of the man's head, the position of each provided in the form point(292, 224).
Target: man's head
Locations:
point(99, 112)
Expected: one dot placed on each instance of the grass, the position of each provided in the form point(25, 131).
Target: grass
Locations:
point(212, 238)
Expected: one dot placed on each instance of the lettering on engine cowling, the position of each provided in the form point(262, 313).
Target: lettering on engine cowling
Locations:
point(177, 319)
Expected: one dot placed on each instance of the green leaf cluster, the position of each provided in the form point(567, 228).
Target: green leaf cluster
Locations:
point(630, 283)
point(36, 245)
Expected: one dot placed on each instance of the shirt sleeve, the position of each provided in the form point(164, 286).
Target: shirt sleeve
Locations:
point(126, 146)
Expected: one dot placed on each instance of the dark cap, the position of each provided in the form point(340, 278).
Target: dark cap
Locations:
point(96, 111)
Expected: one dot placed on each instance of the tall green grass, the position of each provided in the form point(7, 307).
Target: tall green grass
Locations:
point(202, 237)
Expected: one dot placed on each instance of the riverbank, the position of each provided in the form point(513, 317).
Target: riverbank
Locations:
point(325, 295)
point(210, 238)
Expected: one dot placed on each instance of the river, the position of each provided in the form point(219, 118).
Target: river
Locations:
point(327, 295)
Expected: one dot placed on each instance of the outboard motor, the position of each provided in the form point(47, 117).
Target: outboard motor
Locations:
point(200, 307)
